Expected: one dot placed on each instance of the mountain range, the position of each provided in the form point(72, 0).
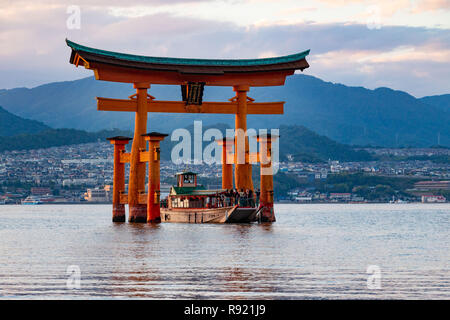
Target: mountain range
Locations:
point(348, 115)
point(11, 124)
point(298, 142)
point(440, 101)
point(55, 138)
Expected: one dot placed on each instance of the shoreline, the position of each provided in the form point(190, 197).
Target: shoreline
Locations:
point(276, 202)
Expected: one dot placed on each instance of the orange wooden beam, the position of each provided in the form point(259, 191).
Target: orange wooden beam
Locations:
point(107, 104)
point(142, 199)
point(265, 108)
point(125, 157)
point(123, 198)
point(144, 156)
point(132, 75)
point(252, 157)
point(181, 107)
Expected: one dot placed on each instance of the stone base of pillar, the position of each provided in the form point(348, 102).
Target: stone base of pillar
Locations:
point(118, 213)
point(267, 213)
point(138, 213)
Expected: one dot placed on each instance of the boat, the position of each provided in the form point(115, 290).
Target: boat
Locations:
point(31, 200)
point(189, 202)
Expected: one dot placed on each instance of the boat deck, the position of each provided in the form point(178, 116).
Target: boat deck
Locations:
point(232, 214)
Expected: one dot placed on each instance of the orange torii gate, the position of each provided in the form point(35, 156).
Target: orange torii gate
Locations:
point(192, 75)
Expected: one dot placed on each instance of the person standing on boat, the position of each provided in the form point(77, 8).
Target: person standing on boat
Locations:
point(250, 198)
point(257, 196)
point(243, 198)
point(233, 196)
point(220, 199)
point(228, 195)
point(237, 196)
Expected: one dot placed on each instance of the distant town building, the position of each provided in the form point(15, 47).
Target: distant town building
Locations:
point(303, 199)
point(39, 191)
point(75, 182)
point(433, 199)
point(432, 185)
point(340, 196)
point(356, 198)
point(97, 195)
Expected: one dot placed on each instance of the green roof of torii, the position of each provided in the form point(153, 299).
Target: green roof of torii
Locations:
point(190, 62)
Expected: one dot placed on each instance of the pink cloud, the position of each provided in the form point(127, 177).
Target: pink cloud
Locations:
point(389, 7)
point(431, 5)
point(349, 53)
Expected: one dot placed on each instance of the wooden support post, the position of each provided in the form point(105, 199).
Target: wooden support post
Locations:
point(227, 166)
point(153, 196)
point(266, 192)
point(119, 143)
point(136, 184)
point(242, 169)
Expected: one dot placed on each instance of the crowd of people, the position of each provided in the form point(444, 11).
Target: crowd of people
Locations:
point(231, 197)
point(243, 198)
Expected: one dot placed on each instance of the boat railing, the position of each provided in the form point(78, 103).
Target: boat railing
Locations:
point(218, 200)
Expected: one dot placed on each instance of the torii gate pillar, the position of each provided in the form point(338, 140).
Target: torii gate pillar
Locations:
point(153, 158)
point(136, 184)
point(266, 197)
point(242, 168)
point(119, 143)
point(227, 164)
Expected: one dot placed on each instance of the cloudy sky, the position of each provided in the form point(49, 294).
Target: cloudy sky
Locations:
point(402, 44)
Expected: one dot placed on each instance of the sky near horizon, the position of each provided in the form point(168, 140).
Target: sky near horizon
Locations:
point(403, 44)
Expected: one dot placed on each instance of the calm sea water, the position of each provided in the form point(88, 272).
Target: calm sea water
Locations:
point(318, 251)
